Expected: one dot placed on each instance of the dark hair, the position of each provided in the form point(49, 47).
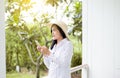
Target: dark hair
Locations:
point(62, 34)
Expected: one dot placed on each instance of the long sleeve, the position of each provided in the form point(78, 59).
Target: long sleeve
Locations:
point(46, 61)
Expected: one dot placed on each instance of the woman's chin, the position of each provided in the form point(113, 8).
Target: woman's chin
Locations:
point(54, 38)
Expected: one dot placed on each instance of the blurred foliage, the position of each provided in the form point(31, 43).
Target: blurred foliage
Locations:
point(76, 15)
point(77, 55)
point(76, 59)
point(52, 2)
point(55, 2)
point(13, 10)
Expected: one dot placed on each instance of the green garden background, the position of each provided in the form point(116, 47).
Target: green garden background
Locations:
point(27, 22)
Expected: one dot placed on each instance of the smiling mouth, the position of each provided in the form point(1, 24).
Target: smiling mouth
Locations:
point(53, 35)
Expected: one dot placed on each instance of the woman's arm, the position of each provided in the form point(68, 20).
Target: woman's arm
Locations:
point(46, 61)
point(44, 50)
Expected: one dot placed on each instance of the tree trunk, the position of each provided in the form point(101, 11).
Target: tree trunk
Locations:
point(17, 54)
point(31, 58)
point(38, 68)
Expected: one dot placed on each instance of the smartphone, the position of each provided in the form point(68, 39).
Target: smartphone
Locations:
point(37, 43)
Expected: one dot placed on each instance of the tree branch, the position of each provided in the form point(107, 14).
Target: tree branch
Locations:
point(29, 53)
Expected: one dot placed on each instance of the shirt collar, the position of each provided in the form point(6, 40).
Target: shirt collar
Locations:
point(62, 41)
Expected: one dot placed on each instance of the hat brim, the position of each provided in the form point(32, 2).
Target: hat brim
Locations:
point(59, 24)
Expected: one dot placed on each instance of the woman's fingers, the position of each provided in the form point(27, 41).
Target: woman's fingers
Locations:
point(39, 48)
point(43, 49)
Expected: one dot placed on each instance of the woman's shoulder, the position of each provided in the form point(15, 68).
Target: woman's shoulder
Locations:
point(68, 42)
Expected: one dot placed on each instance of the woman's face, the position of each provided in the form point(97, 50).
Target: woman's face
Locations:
point(55, 33)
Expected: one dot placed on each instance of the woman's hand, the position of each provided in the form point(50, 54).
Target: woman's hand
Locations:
point(44, 50)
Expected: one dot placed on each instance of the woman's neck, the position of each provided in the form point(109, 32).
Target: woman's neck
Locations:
point(58, 40)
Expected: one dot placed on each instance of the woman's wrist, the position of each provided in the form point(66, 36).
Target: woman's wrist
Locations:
point(48, 53)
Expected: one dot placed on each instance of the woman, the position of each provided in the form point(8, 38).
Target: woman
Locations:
point(58, 58)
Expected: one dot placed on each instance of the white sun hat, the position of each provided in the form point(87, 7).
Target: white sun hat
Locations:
point(61, 24)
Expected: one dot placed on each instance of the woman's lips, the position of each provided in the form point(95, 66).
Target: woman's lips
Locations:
point(53, 35)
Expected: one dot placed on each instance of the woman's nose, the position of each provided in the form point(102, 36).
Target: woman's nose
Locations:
point(52, 33)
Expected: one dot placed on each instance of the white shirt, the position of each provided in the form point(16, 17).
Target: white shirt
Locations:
point(59, 60)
